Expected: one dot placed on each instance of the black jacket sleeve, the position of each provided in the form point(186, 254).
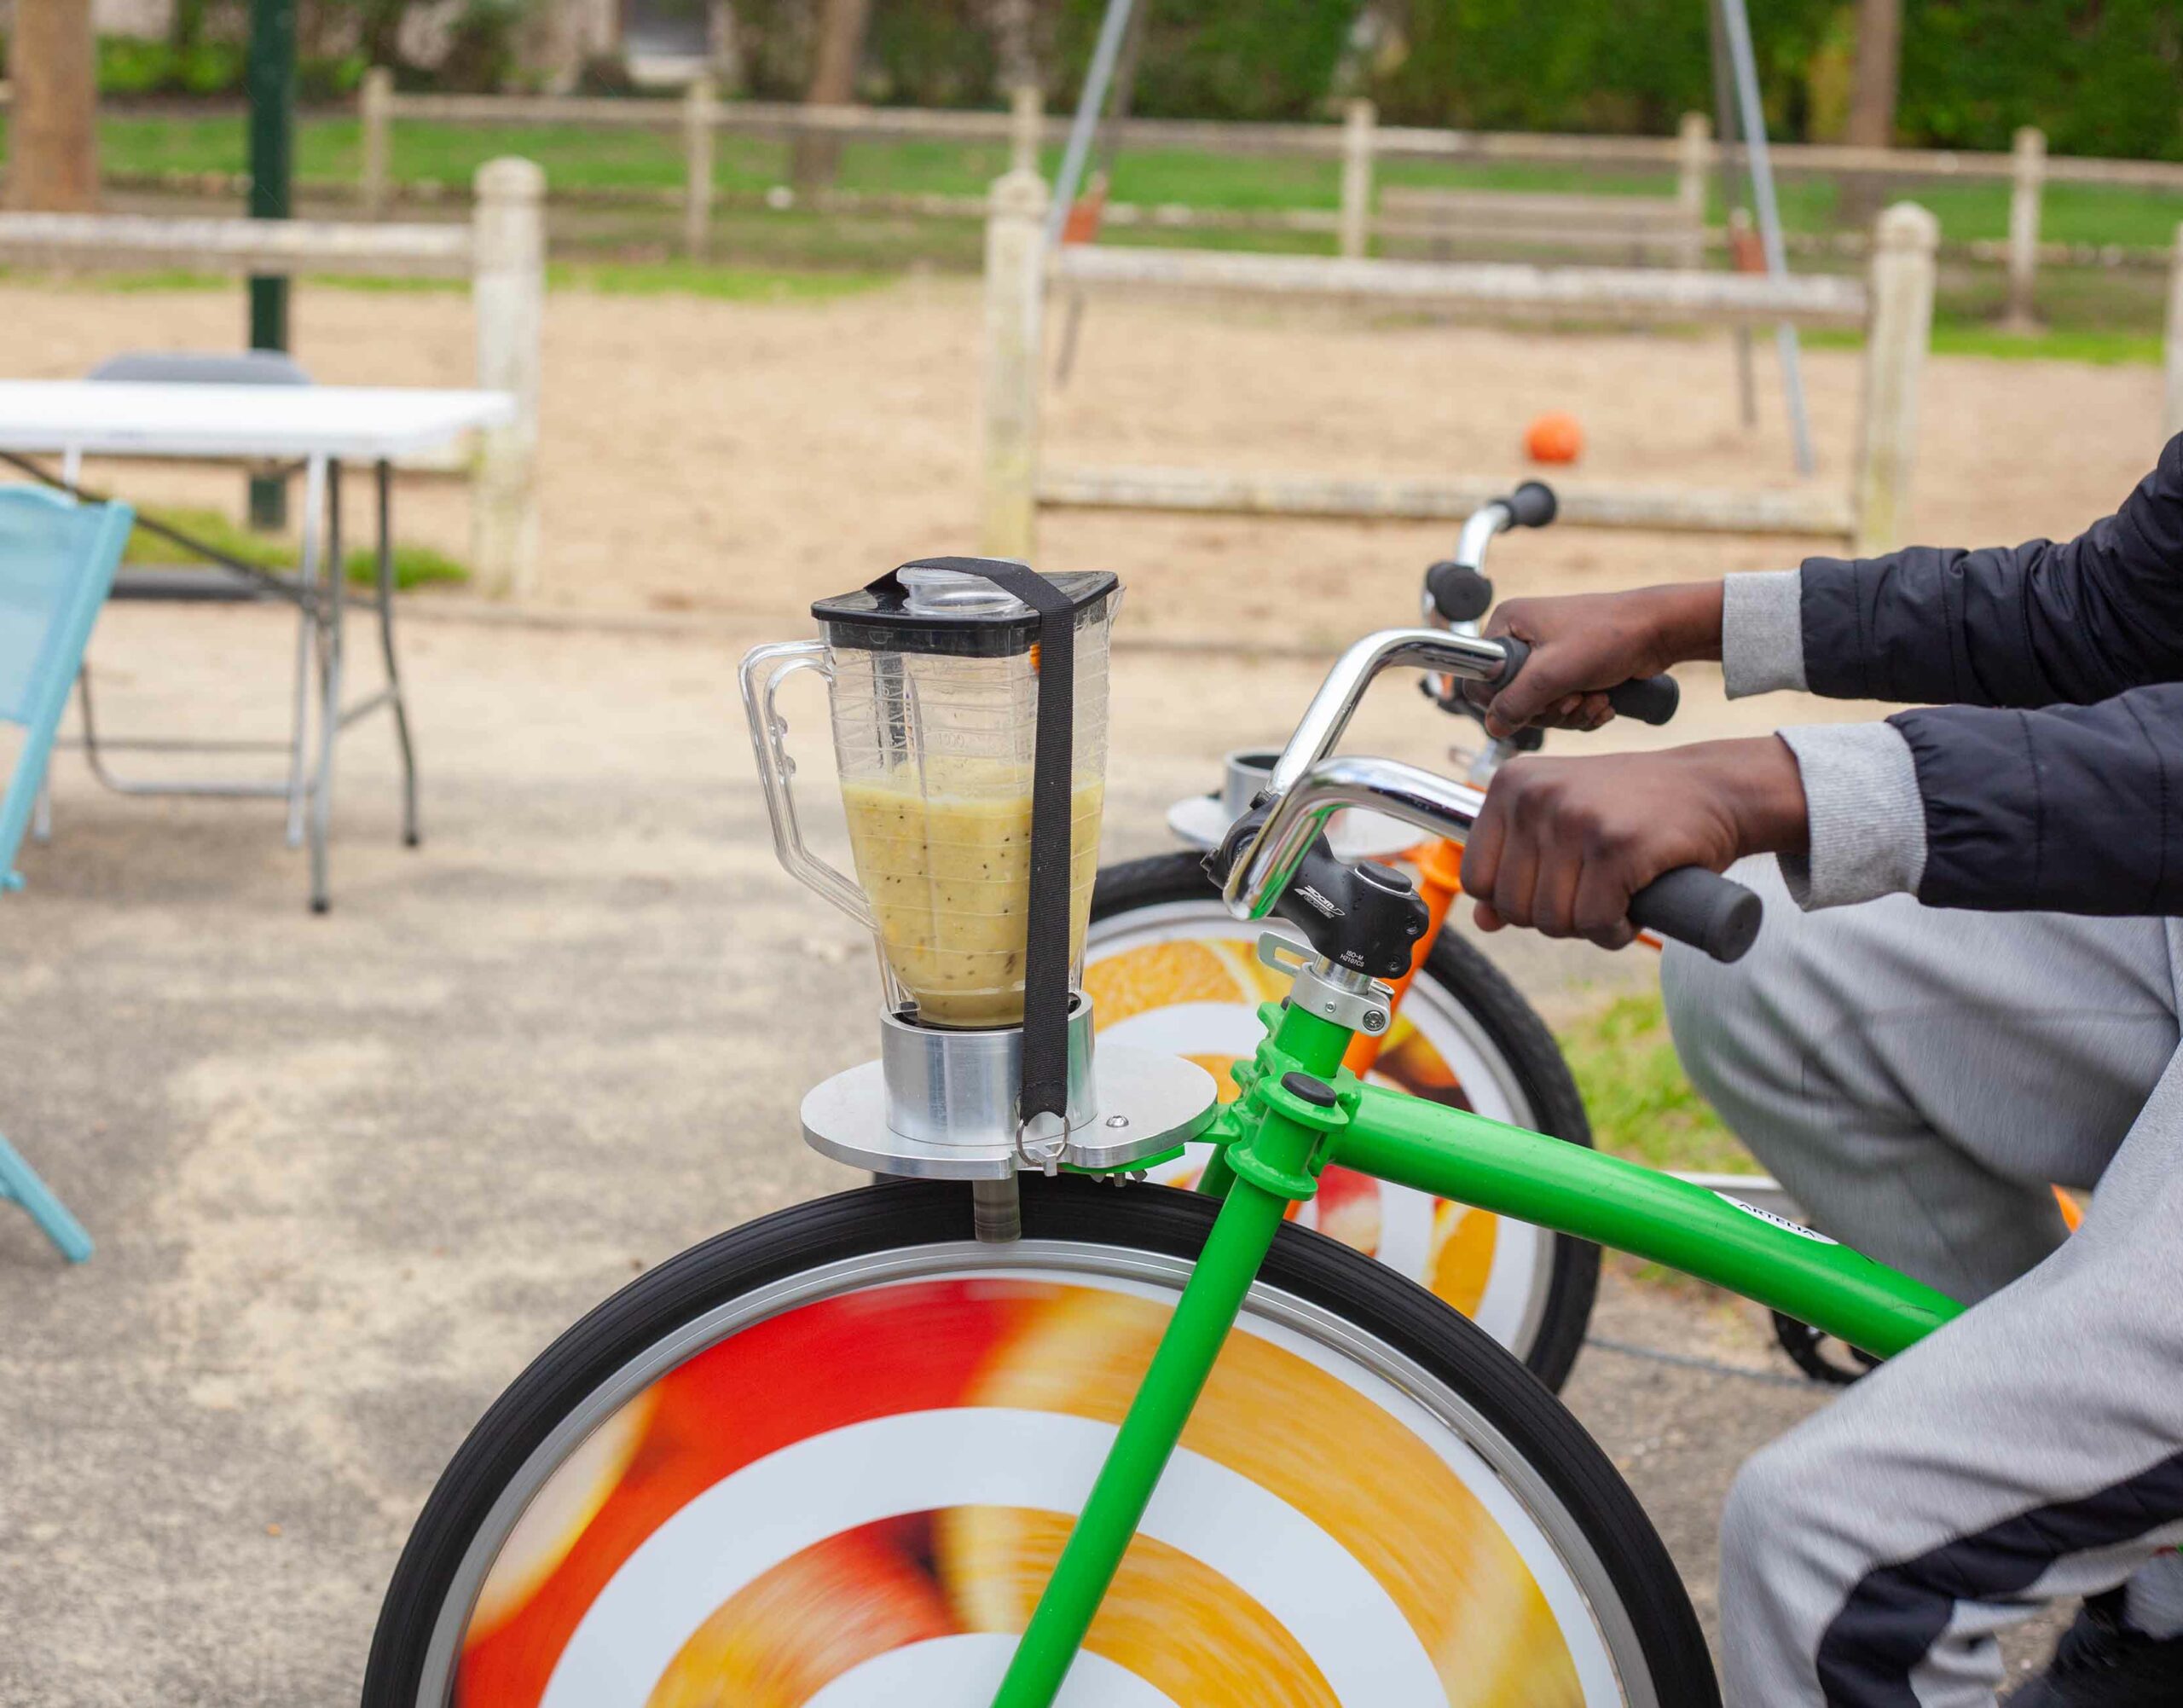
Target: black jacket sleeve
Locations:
point(2033, 625)
point(2076, 810)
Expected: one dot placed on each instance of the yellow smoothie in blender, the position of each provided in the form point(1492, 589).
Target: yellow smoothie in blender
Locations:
point(945, 856)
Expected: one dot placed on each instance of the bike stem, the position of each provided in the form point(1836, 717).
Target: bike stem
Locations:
point(1274, 1145)
point(1439, 867)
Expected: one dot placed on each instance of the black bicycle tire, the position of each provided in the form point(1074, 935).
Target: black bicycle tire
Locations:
point(902, 1214)
point(1475, 985)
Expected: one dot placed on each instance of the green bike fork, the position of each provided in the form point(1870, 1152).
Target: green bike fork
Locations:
point(1276, 1144)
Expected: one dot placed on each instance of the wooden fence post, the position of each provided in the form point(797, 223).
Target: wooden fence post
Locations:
point(1694, 154)
point(1904, 242)
point(2173, 423)
point(508, 295)
point(1016, 278)
point(1027, 114)
point(375, 109)
point(2029, 176)
point(1356, 177)
point(698, 166)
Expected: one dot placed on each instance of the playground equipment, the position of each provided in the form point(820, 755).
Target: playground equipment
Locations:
point(1104, 97)
point(502, 251)
point(1893, 306)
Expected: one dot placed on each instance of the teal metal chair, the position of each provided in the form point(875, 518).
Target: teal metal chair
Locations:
point(57, 559)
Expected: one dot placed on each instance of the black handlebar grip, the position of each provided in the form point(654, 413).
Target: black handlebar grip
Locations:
point(1533, 505)
point(1649, 700)
point(1700, 908)
point(1458, 592)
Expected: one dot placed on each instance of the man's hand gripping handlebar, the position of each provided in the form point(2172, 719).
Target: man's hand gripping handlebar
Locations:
point(1261, 855)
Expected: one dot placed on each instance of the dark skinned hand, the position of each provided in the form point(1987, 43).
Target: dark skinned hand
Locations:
point(1562, 844)
point(1583, 644)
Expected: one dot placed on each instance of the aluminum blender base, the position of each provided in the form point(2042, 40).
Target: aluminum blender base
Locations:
point(1146, 1104)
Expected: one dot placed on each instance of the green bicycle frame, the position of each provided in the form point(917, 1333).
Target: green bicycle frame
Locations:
point(1273, 1142)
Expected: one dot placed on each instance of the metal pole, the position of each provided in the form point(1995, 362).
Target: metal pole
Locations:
point(1108, 138)
point(1737, 24)
point(1732, 197)
point(272, 84)
point(1091, 100)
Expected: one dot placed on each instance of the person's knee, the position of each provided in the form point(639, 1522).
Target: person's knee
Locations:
point(1722, 1024)
point(1760, 1523)
point(1775, 1596)
point(1740, 1029)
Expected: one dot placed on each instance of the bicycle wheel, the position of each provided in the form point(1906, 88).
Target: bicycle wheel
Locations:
point(1169, 968)
point(829, 1459)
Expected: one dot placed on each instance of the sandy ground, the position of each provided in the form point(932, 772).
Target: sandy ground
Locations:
point(348, 1174)
point(749, 457)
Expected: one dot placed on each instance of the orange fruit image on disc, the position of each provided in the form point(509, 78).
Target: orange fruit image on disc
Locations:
point(1347, 1465)
point(1555, 437)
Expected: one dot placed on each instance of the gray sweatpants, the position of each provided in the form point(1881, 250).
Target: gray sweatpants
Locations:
point(1917, 1077)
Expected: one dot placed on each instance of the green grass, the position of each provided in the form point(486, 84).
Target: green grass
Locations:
point(414, 566)
point(1641, 1104)
point(2104, 347)
point(705, 279)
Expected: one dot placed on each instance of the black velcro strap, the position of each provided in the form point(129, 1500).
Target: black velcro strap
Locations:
point(1045, 948)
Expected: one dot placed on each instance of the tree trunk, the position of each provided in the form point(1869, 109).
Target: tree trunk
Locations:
point(52, 147)
point(833, 84)
point(1879, 63)
point(378, 32)
point(1871, 101)
point(1012, 36)
point(186, 26)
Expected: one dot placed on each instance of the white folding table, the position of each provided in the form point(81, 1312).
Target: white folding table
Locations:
point(321, 427)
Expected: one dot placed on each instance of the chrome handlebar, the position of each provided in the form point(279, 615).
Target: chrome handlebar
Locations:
point(1436, 805)
point(1689, 903)
point(1478, 528)
point(1308, 783)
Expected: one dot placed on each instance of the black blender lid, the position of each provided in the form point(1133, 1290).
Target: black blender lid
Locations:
point(879, 617)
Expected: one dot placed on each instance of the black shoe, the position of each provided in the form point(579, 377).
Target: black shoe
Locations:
point(2101, 1663)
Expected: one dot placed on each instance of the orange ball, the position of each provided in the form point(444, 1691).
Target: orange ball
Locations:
point(1555, 437)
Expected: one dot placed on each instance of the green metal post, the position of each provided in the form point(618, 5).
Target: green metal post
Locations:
point(1566, 1187)
point(272, 81)
point(1250, 1216)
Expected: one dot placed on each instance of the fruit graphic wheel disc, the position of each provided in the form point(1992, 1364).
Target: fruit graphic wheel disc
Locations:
point(845, 1487)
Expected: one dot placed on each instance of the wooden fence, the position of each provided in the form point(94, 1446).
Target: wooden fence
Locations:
point(1894, 306)
point(1359, 143)
point(502, 251)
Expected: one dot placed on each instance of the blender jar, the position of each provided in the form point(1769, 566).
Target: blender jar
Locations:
point(934, 683)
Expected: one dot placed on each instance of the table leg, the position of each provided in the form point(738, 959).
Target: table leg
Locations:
point(307, 624)
point(410, 836)
point(319, 501)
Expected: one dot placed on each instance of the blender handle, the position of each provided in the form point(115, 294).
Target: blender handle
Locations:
point(764, 670)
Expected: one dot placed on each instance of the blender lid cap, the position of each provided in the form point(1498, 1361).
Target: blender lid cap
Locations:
point(885, 616)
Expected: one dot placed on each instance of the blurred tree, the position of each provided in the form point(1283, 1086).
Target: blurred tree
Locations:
point(833, 84)
point(53, 152)
point(1879, 69)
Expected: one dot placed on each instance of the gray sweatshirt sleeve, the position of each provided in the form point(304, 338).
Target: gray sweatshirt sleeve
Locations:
point(1763, 632)
point(1867, 817)
point(1866, 813)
